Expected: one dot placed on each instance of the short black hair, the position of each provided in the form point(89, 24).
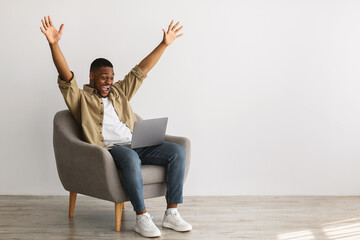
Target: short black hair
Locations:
point(98, 63)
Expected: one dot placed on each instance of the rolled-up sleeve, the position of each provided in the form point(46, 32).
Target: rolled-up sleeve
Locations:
point(131, 83)
point(71, 93)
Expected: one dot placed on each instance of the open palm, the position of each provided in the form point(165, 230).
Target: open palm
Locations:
point(170, 35)
point(52, 35)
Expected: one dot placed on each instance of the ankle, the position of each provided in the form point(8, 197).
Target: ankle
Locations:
point(172, 205)
point(140, 212)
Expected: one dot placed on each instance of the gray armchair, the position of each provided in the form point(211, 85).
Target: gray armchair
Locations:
point(90, 170)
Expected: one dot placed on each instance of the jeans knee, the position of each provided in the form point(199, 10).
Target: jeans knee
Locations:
point(131, 162)
point(127, 160)
point(179, 153)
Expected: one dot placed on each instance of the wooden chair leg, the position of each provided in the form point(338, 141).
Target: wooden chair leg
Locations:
point(72, 203)
point(118, 213)
point(123, 205)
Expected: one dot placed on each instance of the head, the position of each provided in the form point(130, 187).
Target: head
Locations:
point(101, 76)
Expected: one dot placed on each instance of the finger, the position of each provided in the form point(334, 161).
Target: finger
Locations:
point(43, 23)
point(46, 22)
point(50, 21)
point(42, 30)
point(170, 25)
point(172, 29)
point(178, 29)
point(61, 28)
point(179, 35)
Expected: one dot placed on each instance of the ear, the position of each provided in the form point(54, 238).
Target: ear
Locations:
point(91, 76)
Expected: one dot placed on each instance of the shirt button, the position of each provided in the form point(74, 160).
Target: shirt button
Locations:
point(101, 113)
point(100, 124)
point(102, 140)
point(101, 102)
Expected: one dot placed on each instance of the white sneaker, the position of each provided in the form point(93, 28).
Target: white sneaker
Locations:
point(173, 220)
point(145, 226)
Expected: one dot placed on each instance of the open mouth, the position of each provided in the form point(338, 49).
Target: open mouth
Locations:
point(105, 88)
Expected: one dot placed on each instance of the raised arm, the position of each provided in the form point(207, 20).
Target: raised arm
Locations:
point(53, 36)
point(169, 37)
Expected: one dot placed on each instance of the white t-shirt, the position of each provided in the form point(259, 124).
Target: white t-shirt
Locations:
point(113, 130)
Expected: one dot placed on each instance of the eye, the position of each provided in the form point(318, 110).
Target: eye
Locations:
point(103, 78)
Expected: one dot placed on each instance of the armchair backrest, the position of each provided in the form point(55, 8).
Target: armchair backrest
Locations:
point(65, 126)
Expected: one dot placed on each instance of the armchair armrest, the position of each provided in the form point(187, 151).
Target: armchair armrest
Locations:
point(186, 144)
point(82, 167)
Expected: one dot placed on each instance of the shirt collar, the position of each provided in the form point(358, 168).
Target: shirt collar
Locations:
point(89, 89)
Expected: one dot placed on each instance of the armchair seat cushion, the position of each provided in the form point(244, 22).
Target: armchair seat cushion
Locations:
point(152, 174)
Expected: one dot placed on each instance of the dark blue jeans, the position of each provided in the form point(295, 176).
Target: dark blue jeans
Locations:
point(129, 161)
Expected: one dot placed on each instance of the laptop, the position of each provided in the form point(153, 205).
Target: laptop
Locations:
point(147, 133)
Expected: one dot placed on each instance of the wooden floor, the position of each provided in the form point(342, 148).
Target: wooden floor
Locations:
point(241, 217)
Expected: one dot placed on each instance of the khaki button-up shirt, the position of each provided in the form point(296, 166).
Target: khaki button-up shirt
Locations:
point(88, 109)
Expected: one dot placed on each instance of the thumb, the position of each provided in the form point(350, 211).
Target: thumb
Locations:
point(61, 28)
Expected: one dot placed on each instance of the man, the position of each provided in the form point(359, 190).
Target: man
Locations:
point(102, 109)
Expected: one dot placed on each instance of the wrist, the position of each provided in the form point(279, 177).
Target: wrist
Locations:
point(54, 44)
point(163, 44)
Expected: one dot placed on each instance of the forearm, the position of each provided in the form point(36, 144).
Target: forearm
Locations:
point(149, 62)
point(60, 62)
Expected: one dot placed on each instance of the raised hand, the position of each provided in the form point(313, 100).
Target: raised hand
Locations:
point(170, 35)
point(49, 30)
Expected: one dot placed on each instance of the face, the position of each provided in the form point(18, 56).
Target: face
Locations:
point(102, 79)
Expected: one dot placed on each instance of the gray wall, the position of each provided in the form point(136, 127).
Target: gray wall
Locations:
point(268, 91)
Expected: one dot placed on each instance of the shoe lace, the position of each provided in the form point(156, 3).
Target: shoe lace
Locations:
point(147, 220)
point(176, 216)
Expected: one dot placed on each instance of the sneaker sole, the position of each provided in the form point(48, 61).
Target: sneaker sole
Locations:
point(138, 230)
point(169, 225)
